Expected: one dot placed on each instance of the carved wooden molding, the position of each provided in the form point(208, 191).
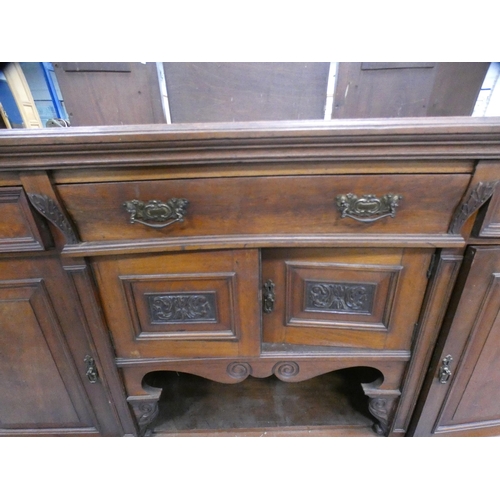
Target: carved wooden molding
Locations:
point(481, 193)
point(50, 210)
point(300, 141)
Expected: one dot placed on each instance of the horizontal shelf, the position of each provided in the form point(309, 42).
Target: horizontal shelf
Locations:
point(332, 404)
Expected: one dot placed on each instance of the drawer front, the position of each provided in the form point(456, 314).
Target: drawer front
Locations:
point(20, 228)
point(197, 304)
point(343, 297)
point(322, 204)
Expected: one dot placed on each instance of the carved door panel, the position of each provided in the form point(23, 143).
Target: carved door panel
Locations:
point(182, 304)
point(42, 363)
point(367, 298)
point(460, 395)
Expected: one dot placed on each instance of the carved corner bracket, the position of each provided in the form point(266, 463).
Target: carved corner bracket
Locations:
point(481, 193)
point(145, 410)
point(51, 211)
point(382, 406)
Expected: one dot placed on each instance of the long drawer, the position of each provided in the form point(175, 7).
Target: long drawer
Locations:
point(316, 204)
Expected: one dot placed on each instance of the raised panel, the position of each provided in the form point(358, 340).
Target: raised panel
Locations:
point(176, 306)
point(37, 389)
point(19, 230)
point(471, 401)
point(341, 295)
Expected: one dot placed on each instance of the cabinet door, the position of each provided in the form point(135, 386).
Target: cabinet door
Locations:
point(460, 396)
point(42, 370)
point(368, 298)
point(201, 304)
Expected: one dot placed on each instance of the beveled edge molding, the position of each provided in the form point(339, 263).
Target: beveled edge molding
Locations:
point(49, 209)
point(302, 140)
point(479, 195)
point(262, 241)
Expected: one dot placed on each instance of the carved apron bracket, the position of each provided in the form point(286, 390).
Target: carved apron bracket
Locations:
point(382, 406)
point(145, 410)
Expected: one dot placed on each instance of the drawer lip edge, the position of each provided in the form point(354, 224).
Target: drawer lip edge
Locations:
point(262, 241)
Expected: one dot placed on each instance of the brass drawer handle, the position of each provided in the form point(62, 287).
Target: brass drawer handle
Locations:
point(156, 213)
point(368, 208)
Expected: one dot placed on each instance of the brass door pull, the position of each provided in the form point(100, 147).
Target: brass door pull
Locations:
point(268, 296)
point(91, 369)
point(157, 214)
point(367, 208)
point(444, 370)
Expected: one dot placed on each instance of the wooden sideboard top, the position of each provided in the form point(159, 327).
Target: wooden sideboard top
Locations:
point(251, 143)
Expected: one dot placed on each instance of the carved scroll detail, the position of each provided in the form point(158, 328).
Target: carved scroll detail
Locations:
point(286, 369)
point(381, 405)
point(339, 297)
point(49, 209)
point(481, 193)
point(239, 370)
point(145, 412)
point(182, 308)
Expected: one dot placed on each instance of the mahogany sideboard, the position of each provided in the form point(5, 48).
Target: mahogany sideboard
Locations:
point(163, 280)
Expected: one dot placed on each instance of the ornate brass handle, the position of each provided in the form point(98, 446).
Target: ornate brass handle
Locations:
point(367, 208)
point(268, 296)
point(162, 214)
point(444, 370)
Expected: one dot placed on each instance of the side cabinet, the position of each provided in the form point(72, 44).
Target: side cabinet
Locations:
point(460, 397)
point(50, 380)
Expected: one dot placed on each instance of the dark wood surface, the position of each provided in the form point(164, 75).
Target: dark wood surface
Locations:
point(264, 205)
point(261, 200)
point(44, 389)
point(365, 90)
point(190, 402)
point(110, 93)
point(21, 229)
point(230, 276)
point(248, 91)
point(468, 404)
point(397, 278)
point(252, 143)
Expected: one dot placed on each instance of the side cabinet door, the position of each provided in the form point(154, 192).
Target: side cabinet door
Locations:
point(460, 396)
point(42, 379)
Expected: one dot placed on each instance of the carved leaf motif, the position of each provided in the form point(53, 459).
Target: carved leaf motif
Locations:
point(481, 193)
point(340, 297)
point(183, 308)
point(49, 209)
